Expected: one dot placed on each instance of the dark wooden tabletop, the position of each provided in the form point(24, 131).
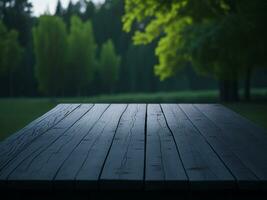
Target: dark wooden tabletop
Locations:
point(136, 146)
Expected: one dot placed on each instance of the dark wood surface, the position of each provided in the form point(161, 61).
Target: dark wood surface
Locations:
point(186, 147)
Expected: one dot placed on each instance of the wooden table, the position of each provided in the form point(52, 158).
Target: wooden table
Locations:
point(183, 147)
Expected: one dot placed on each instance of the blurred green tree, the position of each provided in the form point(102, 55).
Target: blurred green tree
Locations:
point(81, 56)
point(16, 15)
point(50, 47)
point(90, 10)
point(109, 66)
point(59, 9)
point(253, 17)
point(214, 35)
point(10, 53)
point(136, 61)
point(72, 9)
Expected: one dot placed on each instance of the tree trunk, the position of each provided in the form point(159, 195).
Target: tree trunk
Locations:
point(10, 84)
point(229, 90)
point(223, 89)
point(247, 84)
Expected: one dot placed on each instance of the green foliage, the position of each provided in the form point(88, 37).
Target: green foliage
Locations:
point(215, 35)
point(137, 62)
point(171, 50)
point(59, 9)
point(213, 48)
point(160, 20)
point(219, 38)
point(16, 15)
point(50, 46)
point(109, 65)
point(65, 63)
point(81, 55)
point(10, 50)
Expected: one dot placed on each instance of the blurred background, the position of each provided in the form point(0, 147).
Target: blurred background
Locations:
point(178, 51)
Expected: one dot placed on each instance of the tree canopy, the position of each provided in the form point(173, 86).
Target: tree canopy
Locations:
point(10, 50)
point(221, 38)
point(109, 65)
point(50, 47)
point(10, 53)
point(81, 55)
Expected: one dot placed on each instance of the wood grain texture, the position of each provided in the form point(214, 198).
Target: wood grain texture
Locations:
point(215, 137)
point(163, 163)
point(86, 162)
point(204, 168)
point(45, 166)
point(14, 144)
point(245, 139)
point(125, 161)
point(17, 169)
point(92, 147)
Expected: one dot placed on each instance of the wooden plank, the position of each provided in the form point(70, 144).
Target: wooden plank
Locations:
point(204, 168)
point(85, 163)
point(163, 164)
point(29, 154)
point(35, 122)
point(124, 167)
point(13, 145)
point(245, 177)
point(45, 166)
point(245, 139)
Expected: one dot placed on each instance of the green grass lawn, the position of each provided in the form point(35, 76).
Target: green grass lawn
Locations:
point(256, 112)
point(16, 113)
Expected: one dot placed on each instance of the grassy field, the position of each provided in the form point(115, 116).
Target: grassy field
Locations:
point(256, 112)
point(16, 113)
